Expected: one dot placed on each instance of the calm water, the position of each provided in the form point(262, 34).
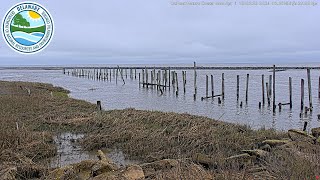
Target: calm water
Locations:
point(119, 96)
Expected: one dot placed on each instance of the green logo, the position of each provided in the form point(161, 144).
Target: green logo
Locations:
point(28, 28)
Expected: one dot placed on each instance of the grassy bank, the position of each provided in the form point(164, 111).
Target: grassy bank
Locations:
point(28, 30)
point(31, 113)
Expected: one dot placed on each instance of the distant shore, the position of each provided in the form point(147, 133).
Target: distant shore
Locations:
point(163, 67)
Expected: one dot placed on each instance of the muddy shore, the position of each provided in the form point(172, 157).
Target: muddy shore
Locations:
point(32, 114)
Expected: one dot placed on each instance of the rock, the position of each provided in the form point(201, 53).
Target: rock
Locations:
point(316, 132)
point(203, 159)
point(275, 142)
point(265, 147)
point(243, 158)
point(150, 169)
point(8, 173)
point(256, 152)
point(298, 135)
point(133, 172)
point(102, 167)
point(102, 156)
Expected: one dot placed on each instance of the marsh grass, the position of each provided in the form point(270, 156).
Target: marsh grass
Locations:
point(30, 120)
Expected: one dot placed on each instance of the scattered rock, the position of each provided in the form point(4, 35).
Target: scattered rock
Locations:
point(265, 147)
point(150, 169)
point(102, 167)
point(133, 172)
point(256, 152)
point(298, 135)
point(275, 142)
point(203, 159)
point(316, 132)
point(242, 157)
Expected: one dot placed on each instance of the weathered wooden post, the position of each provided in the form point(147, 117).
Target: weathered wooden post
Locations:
point(142, 78)
point(117, 75)
point(247, 88)
point(222, 86)
point(274, 89)
point(302, 94)
point(319, 89)
point(195, 81)
point(305, 126)
point(309, 89)
point(207, 85)
point(99, 106)
point(290, 92)
point(177, 80)
point(238, 87)
point(280, 105)
point(169, 78)
point(146, 70)
point(212, 87)
point(270, 86)
point(110, 75)
point(184, 81)
point(139, 81)
point(135, 73)
point(152, 78)
point(263, 97)
point(185, 77)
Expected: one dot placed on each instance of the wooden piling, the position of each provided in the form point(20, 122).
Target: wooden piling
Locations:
point(195, 80)
point(177, 83)
point(139, 81)
point(247, 88)
point(274, 89)
point(302, 94)
point(319, 89)
point(290, 92)
point(212, 87)
point(99, 108)
point(222, 86)
point(169, 78)
point(184, 81)
point(207, 85)
point(309, 89)
point(147, 81)
point(238, 87)
point(270, 86)
point(142, 78)
point(263, 97)
point(268, 94)
point(305, 126)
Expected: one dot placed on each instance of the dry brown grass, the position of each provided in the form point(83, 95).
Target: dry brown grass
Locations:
point(143, 135)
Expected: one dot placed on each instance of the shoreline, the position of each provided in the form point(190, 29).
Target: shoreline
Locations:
point(279, 68)
point(42, 110)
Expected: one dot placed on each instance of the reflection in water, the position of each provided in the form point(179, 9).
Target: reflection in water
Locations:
point(119, 96)
point(70, 152)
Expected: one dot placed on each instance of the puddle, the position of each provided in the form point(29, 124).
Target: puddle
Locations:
point(69, 152)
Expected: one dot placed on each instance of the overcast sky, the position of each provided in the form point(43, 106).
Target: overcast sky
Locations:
point(150, 31)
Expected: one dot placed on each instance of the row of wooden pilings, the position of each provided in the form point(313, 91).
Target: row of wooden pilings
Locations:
point(167, 79)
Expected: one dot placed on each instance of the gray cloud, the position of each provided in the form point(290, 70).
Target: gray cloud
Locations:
point(155, 31)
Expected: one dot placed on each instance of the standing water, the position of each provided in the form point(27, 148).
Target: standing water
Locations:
point(129, 95)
